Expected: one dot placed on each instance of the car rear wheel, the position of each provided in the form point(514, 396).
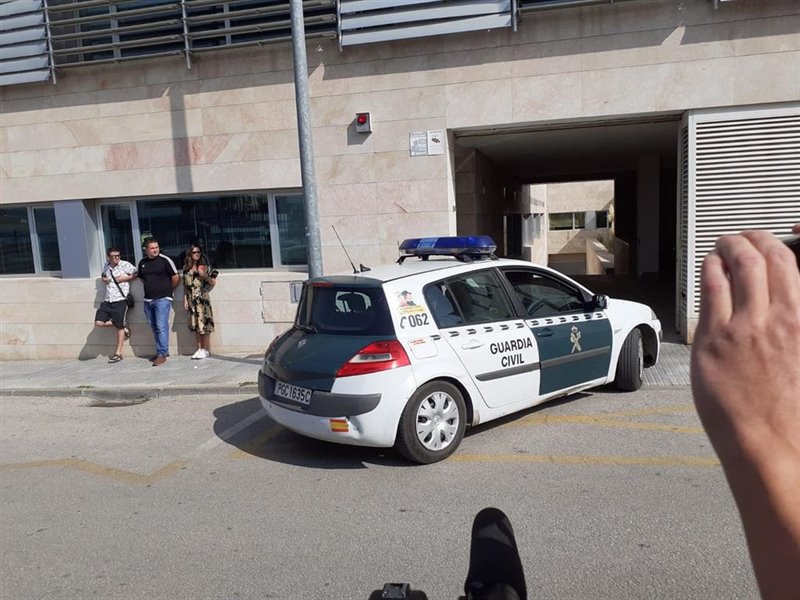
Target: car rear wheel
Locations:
point(630, 365)
point(432, 424)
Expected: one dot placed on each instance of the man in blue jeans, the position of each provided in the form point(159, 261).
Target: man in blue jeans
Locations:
point(160, 278)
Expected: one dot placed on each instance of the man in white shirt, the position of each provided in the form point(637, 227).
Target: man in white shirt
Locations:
point(113, 310)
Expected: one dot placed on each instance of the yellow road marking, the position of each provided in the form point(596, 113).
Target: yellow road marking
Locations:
point(101, 470)
point(660, 410)
point(601, 421)
point(566, 459)
point(642, 412)
point(139, 478)
point(615, 420)
point(251, 447)
point(649, 426)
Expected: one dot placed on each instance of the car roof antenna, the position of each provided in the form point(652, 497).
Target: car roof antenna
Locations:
point(345, 249)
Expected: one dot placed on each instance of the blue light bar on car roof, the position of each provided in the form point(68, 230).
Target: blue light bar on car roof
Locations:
point(462, 245)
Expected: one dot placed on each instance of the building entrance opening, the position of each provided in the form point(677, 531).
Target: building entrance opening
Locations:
point(595, 200)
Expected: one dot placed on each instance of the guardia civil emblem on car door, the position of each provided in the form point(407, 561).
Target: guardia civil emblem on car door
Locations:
point(575, 338)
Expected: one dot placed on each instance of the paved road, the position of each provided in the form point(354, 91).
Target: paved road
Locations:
point(612, 496)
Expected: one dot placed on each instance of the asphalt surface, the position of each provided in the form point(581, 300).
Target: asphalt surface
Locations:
point(611, 495)
point(136, 379)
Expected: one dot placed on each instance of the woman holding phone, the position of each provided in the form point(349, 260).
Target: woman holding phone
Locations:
point(198, 280)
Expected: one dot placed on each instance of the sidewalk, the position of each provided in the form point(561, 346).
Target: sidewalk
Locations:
point(136, 379)
point(132, 378)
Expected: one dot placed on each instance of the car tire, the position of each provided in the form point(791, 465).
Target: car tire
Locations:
point(432, 424)
point(630, 364)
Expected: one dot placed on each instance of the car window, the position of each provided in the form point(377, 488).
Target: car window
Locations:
point(345, 310)
point(475, 297)
point(544, 296)
point(442, 308)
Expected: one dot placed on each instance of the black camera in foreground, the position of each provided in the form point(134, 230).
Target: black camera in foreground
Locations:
point(213, 274)
point(495, 569)
point(793, 242)
point(397, 591)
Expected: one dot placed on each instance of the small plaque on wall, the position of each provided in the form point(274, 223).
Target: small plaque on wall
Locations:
point(435, 142)
point(418, 143)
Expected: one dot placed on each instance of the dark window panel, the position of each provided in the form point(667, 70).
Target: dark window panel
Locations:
point(16, 253)
point(47, 236)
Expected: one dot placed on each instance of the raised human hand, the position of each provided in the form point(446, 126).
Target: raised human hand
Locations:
point(746, 385)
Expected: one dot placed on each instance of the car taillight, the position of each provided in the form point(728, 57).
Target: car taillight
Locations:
point(378, 356)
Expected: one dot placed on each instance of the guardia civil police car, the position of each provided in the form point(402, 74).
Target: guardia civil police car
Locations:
point(410, 354)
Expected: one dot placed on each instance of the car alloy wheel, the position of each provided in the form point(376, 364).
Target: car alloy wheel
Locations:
point(437, 421)
point(432, 424)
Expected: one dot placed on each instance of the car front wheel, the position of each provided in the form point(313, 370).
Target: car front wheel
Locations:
point(630, 365)
point(432, 424)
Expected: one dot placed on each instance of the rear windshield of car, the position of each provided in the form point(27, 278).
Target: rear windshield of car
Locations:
point(344, 310)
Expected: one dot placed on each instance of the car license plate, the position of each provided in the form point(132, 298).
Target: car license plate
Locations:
point(293, 392)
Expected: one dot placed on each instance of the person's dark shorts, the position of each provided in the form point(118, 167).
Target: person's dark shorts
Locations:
point(112, 311)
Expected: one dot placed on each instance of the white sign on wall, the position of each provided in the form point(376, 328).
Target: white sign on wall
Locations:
point(418, 143)
point(426, 143)
point(435, 142)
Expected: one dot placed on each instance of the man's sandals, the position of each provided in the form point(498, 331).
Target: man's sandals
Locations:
point(115, 359)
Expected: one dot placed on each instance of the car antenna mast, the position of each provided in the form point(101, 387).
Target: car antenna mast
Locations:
point(345, 249)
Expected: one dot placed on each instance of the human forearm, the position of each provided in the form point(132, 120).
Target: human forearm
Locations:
point(745, 382)
point(764, 478)
point(767, 494)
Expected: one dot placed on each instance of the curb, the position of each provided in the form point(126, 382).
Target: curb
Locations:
point(134, 395)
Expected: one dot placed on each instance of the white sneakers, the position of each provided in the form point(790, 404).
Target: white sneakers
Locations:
point(201, 353)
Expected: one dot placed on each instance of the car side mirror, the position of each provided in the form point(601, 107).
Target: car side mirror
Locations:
point(600, 301)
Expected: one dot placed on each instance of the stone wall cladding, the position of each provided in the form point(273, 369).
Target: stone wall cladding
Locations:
point(53, 318)
point(152, 127)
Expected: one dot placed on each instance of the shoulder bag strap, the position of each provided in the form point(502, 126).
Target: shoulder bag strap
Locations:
point(111, 272)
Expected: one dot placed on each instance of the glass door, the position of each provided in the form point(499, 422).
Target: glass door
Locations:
point(289, 235)
point(117, 227)
point(44, 221)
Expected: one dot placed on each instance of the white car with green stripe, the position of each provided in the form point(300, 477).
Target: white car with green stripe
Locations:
point(410, 354)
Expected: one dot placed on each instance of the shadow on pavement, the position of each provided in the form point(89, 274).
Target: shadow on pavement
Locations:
point(251, 359)
point(486, 427)
point(267, 440)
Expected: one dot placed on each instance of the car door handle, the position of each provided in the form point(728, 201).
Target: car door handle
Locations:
point(546, 332)
point(472, 345)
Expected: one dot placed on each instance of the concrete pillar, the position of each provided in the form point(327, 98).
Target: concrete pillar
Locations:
point(647, 210)
point(78, 243)
point(535, 226)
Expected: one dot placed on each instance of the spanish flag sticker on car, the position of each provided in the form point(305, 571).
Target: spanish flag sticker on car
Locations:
point(340, 425)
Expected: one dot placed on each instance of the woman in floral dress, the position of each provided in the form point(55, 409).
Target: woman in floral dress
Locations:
point(197, 282)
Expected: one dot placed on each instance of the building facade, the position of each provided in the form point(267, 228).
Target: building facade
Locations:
point(178, 120)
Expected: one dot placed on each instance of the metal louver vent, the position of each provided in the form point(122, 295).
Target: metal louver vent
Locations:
point(683, 231)
point(746, 176)
point(532, 6)
point(24, 55)
point(108, 31)
point(367, 21)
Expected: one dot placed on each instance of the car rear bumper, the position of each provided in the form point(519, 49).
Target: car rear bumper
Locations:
point(376, 427)
point(323, 404)
point(354, 431)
